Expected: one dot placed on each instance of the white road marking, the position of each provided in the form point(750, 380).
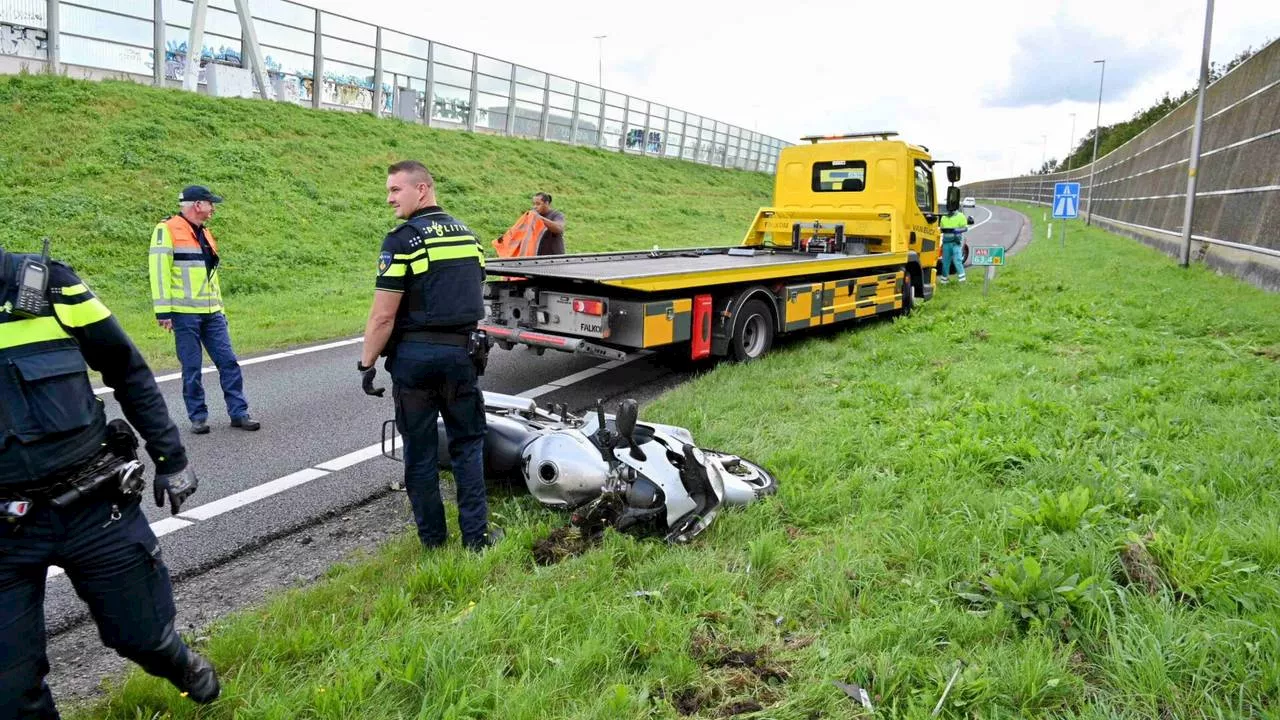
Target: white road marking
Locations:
point(353, 458)
point(252, 495)
point(254, 361)
point(990, 214)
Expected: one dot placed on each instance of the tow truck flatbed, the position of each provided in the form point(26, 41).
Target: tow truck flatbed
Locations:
point(663, 270)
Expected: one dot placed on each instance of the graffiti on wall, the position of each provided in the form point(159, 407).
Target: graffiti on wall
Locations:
point(344, 90)
point(24, 41)
point(31, 15)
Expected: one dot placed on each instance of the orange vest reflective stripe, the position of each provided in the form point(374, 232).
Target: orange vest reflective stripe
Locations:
point(522, 238)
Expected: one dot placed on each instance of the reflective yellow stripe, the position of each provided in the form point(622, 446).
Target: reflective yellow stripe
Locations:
point(449, 239)
point(410, 256)
point(453, 252)
point(395, 270)
point(420, 266)
point(32, 330)
point(81, 314)
point(75, 289)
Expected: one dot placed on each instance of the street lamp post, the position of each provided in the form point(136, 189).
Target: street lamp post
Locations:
point(1071, 144)
point(600, 60)
point(1194, 162)
point(1097, 126)
point(1044, 146)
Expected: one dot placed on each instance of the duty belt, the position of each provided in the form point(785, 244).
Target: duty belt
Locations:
point(106, 473)
point(457, 339)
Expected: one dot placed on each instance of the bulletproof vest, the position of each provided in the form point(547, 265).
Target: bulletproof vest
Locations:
point(446, 287)
point(49, 417)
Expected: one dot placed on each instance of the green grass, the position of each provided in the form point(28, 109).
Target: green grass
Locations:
point(968, 484)
point(96, 165)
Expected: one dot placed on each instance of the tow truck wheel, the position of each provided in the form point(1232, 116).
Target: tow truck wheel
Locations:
point(752, 331)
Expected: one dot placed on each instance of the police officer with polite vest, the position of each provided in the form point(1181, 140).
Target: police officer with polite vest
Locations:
point(70, 485)
point(954, 225)
point(428, 300)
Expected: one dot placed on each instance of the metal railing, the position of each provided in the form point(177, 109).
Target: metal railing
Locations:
point(1141, 185)
point(364, 67)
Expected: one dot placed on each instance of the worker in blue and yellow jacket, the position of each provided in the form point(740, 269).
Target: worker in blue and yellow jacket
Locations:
point(188, 302)
point(954, 226)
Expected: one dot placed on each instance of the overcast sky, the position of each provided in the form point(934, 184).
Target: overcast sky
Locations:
point(979, 82)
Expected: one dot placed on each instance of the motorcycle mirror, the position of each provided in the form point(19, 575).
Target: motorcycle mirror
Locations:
point(626, 419)
point(601, 428)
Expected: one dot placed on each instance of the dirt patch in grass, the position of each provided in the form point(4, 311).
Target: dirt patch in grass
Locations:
point(1140, 568)
point(561, 544)
point(1271, 353)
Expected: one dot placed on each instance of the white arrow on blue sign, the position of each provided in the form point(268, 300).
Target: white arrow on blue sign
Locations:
point(1066, 200)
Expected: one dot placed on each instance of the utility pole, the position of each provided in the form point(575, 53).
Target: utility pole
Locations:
point(600, 63)
point(1194, 161)
point(1097, 126)
point(1044, 146)
point(1071, 144)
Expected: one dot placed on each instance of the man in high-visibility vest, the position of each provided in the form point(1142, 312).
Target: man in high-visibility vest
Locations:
point(954, 226)
point(188, 302)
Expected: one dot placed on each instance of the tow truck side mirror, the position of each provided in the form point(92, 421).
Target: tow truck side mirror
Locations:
point(953, 196)
point(953, 173)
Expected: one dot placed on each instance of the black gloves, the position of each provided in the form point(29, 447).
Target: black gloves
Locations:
point(366, 380)
point(179, 486)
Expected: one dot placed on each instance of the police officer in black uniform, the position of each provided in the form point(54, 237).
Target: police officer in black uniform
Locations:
point(427, 303)
point(70, 486)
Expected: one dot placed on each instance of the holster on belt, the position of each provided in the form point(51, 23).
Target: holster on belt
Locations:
point(475, 342)
point(113, 473)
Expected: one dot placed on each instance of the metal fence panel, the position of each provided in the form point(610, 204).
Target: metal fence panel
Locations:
point(1141, 186)
point(436, 84)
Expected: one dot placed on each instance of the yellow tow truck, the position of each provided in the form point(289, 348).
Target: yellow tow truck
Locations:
point(853, 233)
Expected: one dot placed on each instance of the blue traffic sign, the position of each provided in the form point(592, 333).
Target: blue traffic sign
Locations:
point(1066, 200)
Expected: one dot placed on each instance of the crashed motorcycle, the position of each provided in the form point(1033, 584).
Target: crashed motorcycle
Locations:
point(609, 470)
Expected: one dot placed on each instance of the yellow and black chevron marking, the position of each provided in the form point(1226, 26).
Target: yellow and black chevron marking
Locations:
point(667, 321)
point(812, 304)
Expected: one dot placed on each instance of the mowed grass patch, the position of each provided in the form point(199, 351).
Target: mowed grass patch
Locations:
point(96, 165)
point(1062, 494)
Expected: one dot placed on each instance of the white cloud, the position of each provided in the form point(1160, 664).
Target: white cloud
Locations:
point(988, 83)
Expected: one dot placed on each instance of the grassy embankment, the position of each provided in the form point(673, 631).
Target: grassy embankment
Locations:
point(96, 165)
point(1069, 486)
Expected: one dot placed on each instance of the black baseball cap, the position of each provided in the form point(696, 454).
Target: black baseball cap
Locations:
point(195, 193)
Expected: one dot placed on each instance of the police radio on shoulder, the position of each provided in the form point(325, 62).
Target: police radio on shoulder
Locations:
point(33, 284)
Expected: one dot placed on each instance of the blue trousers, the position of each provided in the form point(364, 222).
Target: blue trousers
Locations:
point(429, 381)
point(952, 252)
point(116, 570)
point(193, 333)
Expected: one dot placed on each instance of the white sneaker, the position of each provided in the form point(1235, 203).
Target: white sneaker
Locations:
point(943, 280)
point(962, 279)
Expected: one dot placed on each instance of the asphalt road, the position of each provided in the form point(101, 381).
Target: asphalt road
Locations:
point(316, 454)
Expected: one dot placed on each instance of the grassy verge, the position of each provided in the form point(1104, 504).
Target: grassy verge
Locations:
point(1065, 489)
point(96, 165)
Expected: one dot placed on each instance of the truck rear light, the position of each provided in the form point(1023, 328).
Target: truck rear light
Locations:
point(588, 307)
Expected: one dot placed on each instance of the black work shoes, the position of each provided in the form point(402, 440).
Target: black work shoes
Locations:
point(491, 538)
point(199, 681)
point(199, 427)
point(245, 423)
